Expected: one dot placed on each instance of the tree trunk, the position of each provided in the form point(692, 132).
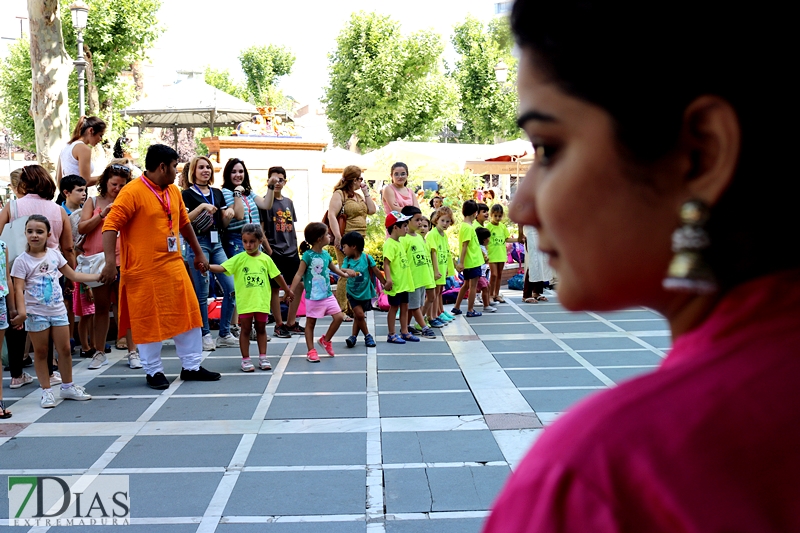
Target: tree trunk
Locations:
point(138, 79)
point(93, 103)
point(50, 69)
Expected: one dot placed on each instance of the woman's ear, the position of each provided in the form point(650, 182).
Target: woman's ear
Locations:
point(711, 139)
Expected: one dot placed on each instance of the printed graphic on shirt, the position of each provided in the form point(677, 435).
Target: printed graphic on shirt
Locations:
point(254, 278)
point(418, 255)
point(283, 221)
point(319, 283)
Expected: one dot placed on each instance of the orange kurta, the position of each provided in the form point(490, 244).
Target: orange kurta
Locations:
point(156, 297)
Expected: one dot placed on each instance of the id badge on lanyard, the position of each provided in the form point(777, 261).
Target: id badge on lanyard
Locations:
point(214, 236)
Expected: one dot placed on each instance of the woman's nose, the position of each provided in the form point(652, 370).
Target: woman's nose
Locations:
point(522, 209)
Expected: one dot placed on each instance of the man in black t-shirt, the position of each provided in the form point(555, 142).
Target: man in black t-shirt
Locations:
point(279, 227)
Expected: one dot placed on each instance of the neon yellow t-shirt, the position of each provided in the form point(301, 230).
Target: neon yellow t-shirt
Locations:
point(398, 267)
point(251, 277)
point(420, 259)
point(439, 244)
point(497, 242)
point(473, 257)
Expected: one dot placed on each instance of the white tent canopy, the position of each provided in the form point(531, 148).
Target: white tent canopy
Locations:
point(191, 103)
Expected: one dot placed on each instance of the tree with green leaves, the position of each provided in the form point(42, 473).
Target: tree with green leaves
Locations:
point(488, 108)
point(118, 33)
point(222, 80)
point(385, 86)
point(15, 88)
point(262, 66)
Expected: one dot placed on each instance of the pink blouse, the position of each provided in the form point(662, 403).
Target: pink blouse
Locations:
point(707, 443)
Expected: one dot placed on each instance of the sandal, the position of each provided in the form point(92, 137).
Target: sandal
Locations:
point(122, 344)
point(542, 298)
point(348, 318)
point(500, 299)
point(530, 301)
point(4, 413)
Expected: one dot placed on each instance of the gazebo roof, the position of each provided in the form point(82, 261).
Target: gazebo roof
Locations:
point(191, 103)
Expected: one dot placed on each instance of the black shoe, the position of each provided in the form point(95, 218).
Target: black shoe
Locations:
point(108, 348)
point(282, 332)
point(201, 374)
point(271, 319)
point(88, 354)
point(296, 329)
point(27, 361)
point(158, 382)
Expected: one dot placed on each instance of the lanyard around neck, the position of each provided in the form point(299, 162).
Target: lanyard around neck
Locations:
point(165, 204)
point(206, 198)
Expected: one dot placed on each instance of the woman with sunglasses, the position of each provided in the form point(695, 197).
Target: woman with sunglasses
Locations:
point(94, 212)
point(396, 195)
point(355, 207)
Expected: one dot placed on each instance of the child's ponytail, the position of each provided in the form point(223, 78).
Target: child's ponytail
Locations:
point(304, 247)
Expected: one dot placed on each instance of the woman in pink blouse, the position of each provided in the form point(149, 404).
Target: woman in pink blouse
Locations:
point(664, 176)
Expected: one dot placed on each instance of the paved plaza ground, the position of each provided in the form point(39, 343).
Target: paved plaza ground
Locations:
point(399, 439)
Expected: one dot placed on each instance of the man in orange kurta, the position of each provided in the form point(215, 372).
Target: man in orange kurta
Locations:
point(156, 298)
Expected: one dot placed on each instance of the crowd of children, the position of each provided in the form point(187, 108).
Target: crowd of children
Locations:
point(417, 266)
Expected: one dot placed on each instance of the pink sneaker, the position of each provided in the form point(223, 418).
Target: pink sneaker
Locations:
point(312, 356)
point(327, 345)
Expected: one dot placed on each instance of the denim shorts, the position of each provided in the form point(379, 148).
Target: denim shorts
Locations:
point(3, 313)
point(37, 323)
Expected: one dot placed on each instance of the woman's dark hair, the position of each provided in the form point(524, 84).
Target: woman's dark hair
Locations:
point(646, 70)
point(469, 208)
point(39, 218)
point(97, 125)
point(403, 165)
point(157, 154)
point(227, 183)
point(354, 239)
point(482, 234)
point(253, 229)
point(312, 233)
point(112, 171)
point(36, 180)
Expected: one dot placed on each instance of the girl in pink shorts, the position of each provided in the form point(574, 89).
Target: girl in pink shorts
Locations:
point(83, 307)
point(314, 274)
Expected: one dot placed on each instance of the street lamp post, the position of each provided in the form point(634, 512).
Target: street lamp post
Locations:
point(80, 15)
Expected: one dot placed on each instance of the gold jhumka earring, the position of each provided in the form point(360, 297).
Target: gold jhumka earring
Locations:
point(689, 271)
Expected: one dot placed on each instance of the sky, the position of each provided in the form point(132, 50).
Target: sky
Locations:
point(214, 32)
point(206, 32)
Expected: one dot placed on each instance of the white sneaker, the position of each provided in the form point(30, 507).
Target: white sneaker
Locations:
point(133, 360)
point(55, 379)
point(75, 392)
point(98, 360)
point(48, 400)
point(208, 343)
point(230, 340)
point(489, 309)
point(263, 363)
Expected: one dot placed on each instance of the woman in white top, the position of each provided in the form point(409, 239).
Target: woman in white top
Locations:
point(76, 157)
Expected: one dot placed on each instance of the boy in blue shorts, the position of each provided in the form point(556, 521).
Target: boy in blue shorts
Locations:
point(398, 277)
point(470, 259)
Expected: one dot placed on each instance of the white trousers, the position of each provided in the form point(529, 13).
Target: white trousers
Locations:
point(188, 344)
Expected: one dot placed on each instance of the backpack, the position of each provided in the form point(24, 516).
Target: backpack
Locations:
point(516, 282)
